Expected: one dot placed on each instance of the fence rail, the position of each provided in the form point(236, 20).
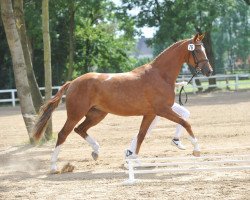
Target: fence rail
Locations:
point(222, 81)
point(13, 93)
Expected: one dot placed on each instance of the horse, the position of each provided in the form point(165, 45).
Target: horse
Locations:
point(146, 91)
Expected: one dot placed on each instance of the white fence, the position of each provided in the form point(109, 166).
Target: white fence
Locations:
point(13, 92)
point(213, 163)
point(226, 78)
point(222, 81)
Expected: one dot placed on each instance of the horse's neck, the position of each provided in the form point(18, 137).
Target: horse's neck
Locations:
point(170, 61)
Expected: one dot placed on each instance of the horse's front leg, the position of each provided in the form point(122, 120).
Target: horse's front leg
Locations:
point(168, 113)
point(136, 143)
point(145, 124)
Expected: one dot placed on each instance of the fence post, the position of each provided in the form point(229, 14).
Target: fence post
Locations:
point(131, 180)
point(236, 82)
point(194, 85)
point(13, 98)
point(227, 82)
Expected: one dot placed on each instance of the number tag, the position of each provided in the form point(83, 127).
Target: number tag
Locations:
point(191, 47)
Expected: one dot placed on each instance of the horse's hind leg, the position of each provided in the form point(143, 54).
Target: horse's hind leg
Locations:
point(93, 117)
point(75, 113)
point(62, 135)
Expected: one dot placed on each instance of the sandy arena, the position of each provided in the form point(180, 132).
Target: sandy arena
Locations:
point(221, 122)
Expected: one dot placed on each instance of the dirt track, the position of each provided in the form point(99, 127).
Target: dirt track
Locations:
point(221, 121)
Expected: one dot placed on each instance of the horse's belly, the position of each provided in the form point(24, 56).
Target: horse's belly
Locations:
point(125, 106)
point(128, 111)
point(123, 94)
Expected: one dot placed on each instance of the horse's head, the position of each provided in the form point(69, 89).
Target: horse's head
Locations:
point(197, 55)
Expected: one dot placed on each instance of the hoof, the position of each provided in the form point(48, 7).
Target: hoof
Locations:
point(196, 153)
point(94, 155)
point(54, 169)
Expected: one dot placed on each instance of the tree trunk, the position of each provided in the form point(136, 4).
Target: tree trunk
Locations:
point(21, 80)
point(247, 2)
point(71, 39)
point(209, 50)
point(21, 28)
point(47, 60)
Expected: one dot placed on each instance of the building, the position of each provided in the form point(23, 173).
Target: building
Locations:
point(142, 49)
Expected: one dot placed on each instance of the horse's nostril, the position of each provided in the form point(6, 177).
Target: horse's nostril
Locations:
point(208, 72)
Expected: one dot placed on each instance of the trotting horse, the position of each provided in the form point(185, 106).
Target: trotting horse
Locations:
point(147, 90)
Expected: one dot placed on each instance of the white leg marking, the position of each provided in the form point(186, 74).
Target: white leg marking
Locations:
point(54, 158)
point(133, 145)
point(194, 142)
point(197, 147)
point(93, 143)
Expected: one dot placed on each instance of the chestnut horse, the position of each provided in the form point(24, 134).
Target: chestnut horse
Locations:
point(147, 90)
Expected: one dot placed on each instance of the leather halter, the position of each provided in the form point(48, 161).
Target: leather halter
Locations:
point(196, 61)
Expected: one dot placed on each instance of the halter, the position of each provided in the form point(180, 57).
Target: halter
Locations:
point(196, 61)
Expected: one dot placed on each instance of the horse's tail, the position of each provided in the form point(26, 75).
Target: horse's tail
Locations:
point(46, 112)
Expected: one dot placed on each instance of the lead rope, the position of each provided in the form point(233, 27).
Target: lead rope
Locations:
point(182, 89)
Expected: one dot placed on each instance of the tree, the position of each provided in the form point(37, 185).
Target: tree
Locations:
point(103, 41)
point(22, 85)
point(231, 38)
point(179, 19)
point(88, 51)
point(47, 60)
point(105, 47)
point(72, 10)
point(6, 72)
point(247, 2)
point(21, 27)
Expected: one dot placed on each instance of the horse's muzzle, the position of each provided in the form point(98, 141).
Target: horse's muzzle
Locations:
point(207, 70)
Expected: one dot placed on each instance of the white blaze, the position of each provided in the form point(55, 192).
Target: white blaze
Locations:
point(204, 51)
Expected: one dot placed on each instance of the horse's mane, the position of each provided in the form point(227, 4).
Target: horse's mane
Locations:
point(171, 47)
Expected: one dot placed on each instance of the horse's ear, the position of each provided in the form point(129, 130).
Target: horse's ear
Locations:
point(198, 37)
point(201, 36)
point(195, 37)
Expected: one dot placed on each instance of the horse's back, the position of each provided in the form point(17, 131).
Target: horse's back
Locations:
point(121, 93)
point(130, 93)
